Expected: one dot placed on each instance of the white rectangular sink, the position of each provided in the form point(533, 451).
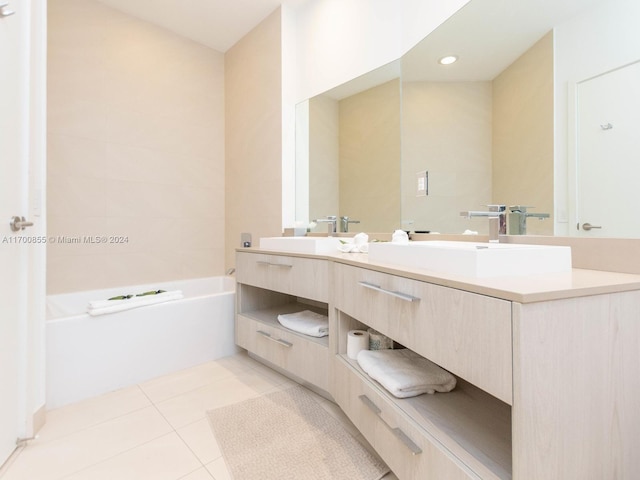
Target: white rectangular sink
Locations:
point(474, 259)
point(317, 245)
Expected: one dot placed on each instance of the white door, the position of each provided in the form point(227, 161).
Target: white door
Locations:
point(608, 154)
point(13, 201)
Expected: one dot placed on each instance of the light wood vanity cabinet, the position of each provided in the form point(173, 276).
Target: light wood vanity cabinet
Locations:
point(465, 333)
point(302, 277)
point(404, 447)
point(465, 433)
point(547, 388)
point(270, 285)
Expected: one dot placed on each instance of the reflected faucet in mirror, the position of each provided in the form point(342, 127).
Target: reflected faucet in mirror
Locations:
point(345, 221)
point(332, 223)
point(518, 219)
point(497, 220)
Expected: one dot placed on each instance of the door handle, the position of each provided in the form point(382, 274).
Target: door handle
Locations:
point(19, 223)
point(588, 226)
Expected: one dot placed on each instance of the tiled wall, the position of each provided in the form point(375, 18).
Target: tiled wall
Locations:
point(135, 149)
point(253, 96)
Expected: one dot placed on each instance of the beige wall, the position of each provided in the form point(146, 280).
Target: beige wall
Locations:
point(369, 134)
point(324, 169)
point(523, 134)
point(253, 115)
point(135, 148)
point(447, 131)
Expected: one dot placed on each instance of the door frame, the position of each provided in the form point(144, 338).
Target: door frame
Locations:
point(32, 335)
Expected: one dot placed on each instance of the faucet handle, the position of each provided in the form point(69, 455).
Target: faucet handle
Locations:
point(496, 207)
point(519, 208)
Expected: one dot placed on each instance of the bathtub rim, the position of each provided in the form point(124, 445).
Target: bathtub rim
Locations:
point(227, 286)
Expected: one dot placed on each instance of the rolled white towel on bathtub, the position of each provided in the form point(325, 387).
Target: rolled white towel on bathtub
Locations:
point(404, 373)
point(306, 322)
point(102, 307)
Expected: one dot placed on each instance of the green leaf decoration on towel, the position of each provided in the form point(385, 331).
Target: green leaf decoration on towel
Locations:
point(126, 297)
point(152, 292)
point(121, 297)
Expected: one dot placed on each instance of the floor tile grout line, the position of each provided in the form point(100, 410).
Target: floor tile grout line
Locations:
point(175, 430)
point(194, 471)
point(114, 456)
point(243, 366)
point(38, 441)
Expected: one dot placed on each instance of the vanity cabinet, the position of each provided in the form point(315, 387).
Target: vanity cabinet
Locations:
point(302, 277)
point(407, 451)
point(465, 433)
point(547, 369)
point(465, 333)
point(270, 285)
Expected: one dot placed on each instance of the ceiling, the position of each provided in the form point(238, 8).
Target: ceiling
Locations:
point(218, 24)
point(487, 36)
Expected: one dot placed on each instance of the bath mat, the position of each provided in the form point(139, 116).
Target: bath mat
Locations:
point(287, 434)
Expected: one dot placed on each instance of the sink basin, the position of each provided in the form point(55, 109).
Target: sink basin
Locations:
point(474, 259)
point(318, 245)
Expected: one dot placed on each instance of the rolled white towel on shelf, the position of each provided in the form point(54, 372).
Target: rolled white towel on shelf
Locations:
point(404, 373)
point(306, 322)
point(102, 307)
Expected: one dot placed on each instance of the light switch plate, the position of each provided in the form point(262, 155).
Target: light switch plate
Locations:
point(422, 184)
point(245, 240)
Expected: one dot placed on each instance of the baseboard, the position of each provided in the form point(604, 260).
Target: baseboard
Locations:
point(39, 419)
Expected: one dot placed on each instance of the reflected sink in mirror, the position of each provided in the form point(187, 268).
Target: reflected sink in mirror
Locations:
point(317, 245)
point(474, 259)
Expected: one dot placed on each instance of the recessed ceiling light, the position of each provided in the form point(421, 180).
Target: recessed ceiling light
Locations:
point(448, 60)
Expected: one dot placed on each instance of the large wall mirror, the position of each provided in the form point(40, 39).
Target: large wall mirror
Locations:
point(414, 143)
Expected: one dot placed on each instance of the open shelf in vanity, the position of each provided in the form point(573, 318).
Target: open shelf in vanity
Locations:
point(465, 433)
point(512, 349)
point(272, 285)
point(269, 315)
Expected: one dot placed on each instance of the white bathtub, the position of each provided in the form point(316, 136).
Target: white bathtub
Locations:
point(88, 356)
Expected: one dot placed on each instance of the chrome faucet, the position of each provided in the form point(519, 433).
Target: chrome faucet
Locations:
point(332, 223)
point(518, 219)
point(497, 220)
point(345, 221)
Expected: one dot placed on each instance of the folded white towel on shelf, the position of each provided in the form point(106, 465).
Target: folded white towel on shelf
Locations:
point(306, 322)
point(404, 373)
point(102, 307)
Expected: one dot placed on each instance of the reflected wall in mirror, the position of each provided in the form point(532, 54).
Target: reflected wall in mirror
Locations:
point(493, 127)
point(353, 153)
point(483, 141)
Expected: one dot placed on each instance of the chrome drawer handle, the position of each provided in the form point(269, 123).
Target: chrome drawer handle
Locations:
point(277, 340)
point(271, 264)
point(415, 449)
point(378, 288)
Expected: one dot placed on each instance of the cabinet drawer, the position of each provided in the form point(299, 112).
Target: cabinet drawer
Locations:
point(303, 277)
point(304, 358)
point(406, 449)
point(465, 333)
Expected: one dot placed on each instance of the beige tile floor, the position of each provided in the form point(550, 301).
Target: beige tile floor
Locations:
point(155, 430)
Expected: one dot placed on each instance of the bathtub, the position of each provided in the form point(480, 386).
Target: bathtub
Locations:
point(87, 356)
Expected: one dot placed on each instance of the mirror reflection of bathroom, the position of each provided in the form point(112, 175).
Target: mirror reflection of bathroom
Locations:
point(492, 128)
